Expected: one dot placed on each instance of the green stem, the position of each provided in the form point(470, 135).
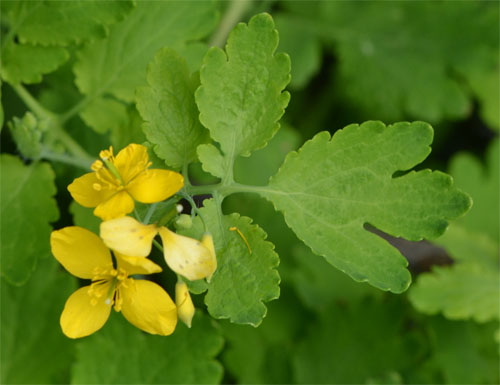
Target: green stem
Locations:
point(67, 159)
point(72, 145)
point(33, 104)
point(234, 14)
point(75, 109)
point(150, 213)
point(157, 245)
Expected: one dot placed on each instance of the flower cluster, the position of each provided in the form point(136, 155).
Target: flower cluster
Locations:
point(112, 259)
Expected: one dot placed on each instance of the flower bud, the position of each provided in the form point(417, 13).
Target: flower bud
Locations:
point(185, 307)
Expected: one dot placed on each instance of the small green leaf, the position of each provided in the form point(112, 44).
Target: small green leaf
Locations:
point(246, 276)
point(168, 107)
point(241, 96)
point(212, 160)
point(462, 291)
point(330, 189)
point(34, 349)
point(18, 65)
point(122, 354)
point(27, 208)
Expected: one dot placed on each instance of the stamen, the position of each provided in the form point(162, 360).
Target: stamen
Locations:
point(234, 228)
point(96, 166)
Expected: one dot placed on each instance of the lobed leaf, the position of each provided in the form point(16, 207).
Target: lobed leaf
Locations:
point(25, 221)
point(58, 22)
point(330, 189)
point(168, 107)
point(241, 96)
point(246, 276)
point(122, 354)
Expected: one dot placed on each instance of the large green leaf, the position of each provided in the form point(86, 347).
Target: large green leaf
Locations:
point(241, 96)
point(168, 107)
point(27, 208)
point(122, 354)
point(330, 189)
point(117, 64)
point(34, 349)
point(246, 276)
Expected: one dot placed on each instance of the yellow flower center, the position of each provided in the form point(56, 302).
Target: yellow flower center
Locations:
point(107, 282)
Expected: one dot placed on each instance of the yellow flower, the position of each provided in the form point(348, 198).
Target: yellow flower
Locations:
point(185, 256)
point(185, 307)
point(114, 184)
point(143, 303)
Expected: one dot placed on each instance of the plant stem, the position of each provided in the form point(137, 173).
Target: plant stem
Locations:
point(64, 158)
point(75, 109)
point(33, 104)
point(157, 244)
point(234, 13)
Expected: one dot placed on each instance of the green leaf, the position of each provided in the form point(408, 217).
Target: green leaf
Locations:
point(129, 132)
point(462, 291)
point(105, 114)
point(243, 280)
point(34, 349)
point(212, 160)
point(330, 189)
point(63, 22)
point(18, 65)
point(116, 65)
point(122, 354)
point(241, 96)
point(168, 107)
point(340, 348)
point(27, 208)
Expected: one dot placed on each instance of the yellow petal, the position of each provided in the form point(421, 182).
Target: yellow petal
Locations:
point(131, 161)
point(80, 251)
point(148, 307)
point(136, 265)
point(185, 307)
point(155, 185)
point(118, 205)
point(82, 316)
point(128, 236)
point(187, 256)
point(89, 191)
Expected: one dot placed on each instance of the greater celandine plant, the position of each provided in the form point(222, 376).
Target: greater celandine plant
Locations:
point(226, 106)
